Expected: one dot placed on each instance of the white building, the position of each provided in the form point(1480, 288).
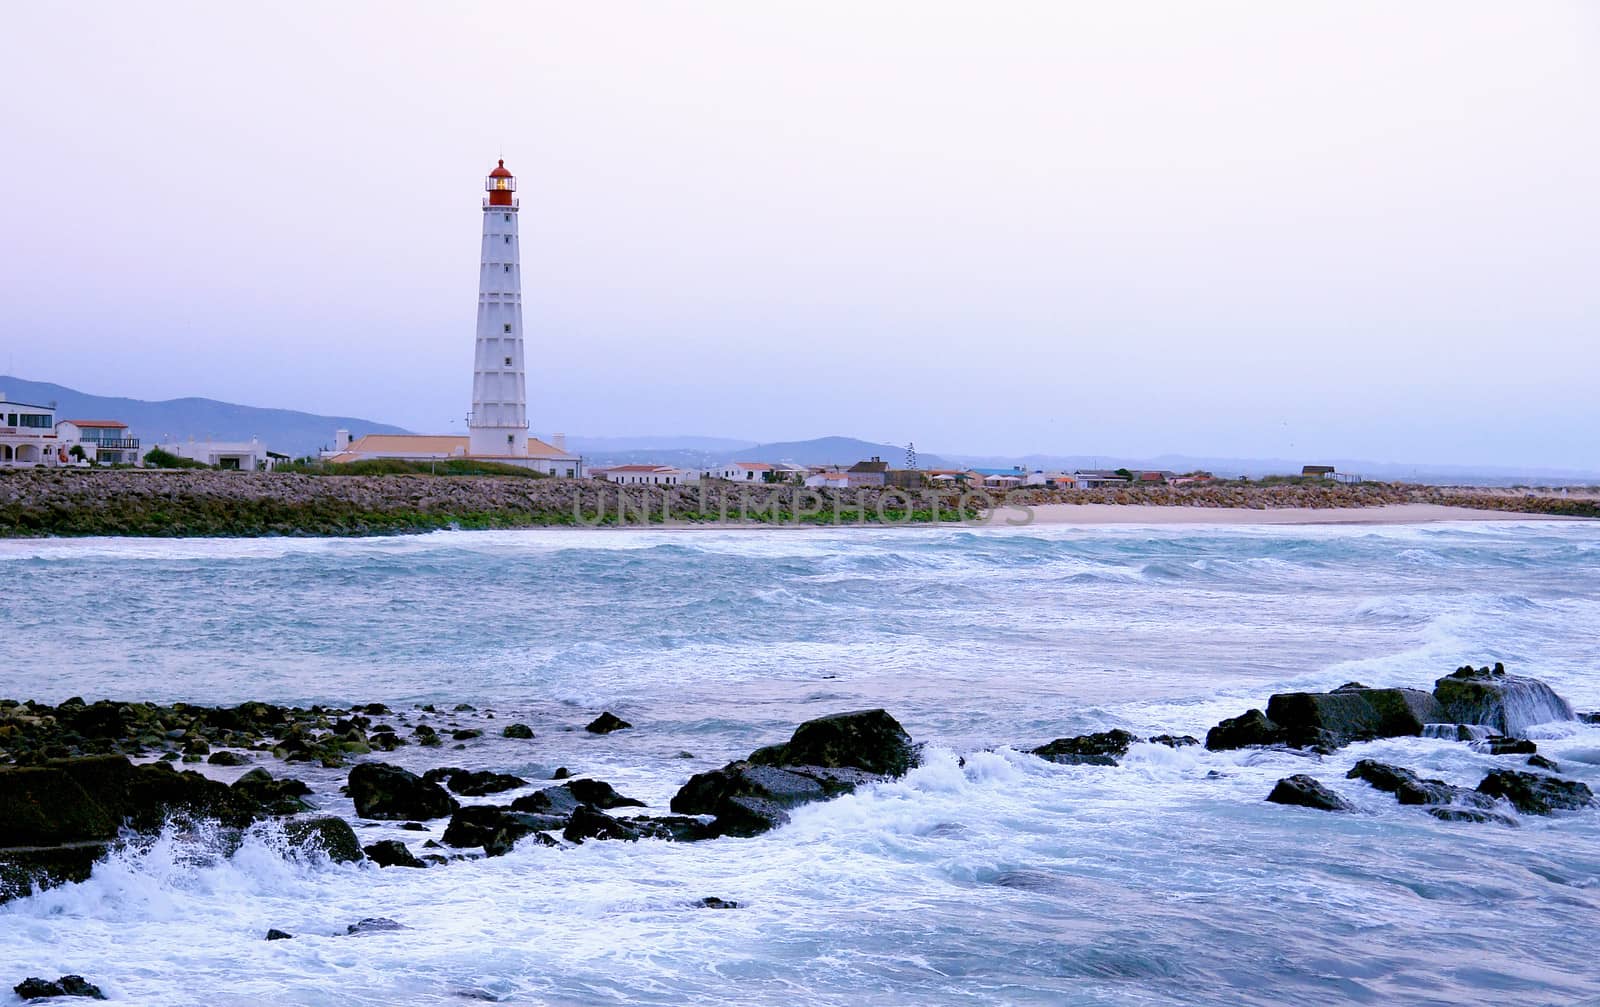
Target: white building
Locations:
point(104, 442)
point(742, 472)
point(1057, 480)
point(245, 456)
point(28, 436)
point(828, 480)
point(646, 475)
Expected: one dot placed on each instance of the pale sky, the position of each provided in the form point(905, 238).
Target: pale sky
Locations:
point(1342, 229)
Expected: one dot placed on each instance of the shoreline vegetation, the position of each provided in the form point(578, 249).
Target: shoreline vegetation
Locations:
point(196, 503)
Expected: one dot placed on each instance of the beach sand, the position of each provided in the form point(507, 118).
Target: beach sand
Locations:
point(1097, 514)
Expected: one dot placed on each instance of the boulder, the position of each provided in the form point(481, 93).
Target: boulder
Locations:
point(391, 853)
point(868, 740)
point(1329, 720)
point(587, 823)
point(671, 828)
point(1501, 745)
point(1381, 775)
point(1175, 741)
point(42, 806)
point(1101, 749)
point(226, 758)
point(1438, 792)
point(477, 784)
point(273, 797)
point(1304, 791)
point(373, 925)
point(1455, 814)
point(67, 986)
point(495, 829)
point(748, 799)
point(279, 935)
point(1540, 762)
point(520, 731)
point(712, 902)
point(606, 723)
point(564, 800)
point(386, 792)
point(1249, 728)
point(331, 835)
point(1536, 793)
point(1508, 704)
point(25, 872)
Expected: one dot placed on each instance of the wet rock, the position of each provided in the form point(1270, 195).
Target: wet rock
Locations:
point(748, 799)
point(494, 829)
point(1332, 719)
point(46, 807)
point(519, 731)
point(712, 902)
point(1175, 741)
point(1438, 792)
point(1536, 793)
point(373, 925)
point(391, 853)
point(274, 797)
point(1500, 745)
point(331, 835)
point(672, 828)
point(465, 708)
point(1455, 814)
point(279, 935)
point(382, 791)
point(1249, 729)
point(587, 823)
point(868, 740)
point(1381, 775)
point(1590, 718)
point(66, 986)
point(1305, 792)
point(1508, 704)
point(466, 734)
point(386, 741)
point(564, 800)
point(225, 758)
point(25, 872)
point(1540, 762)
point(606, 723)
point(1103, 748)
point(478, 784)
point(561, 773)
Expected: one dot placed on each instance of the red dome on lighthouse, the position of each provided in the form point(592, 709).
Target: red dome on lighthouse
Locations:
point(500, 185)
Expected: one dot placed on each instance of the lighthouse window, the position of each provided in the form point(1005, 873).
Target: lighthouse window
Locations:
point(508, 361)
point(508, 239)
point(508, 267)
point(508, 218)
point(508, 326)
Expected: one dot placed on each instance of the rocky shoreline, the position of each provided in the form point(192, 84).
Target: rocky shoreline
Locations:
point(162, 503)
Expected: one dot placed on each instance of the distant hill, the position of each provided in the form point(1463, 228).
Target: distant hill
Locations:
point(1433, 475)
point(286, 430)
point(834, 451)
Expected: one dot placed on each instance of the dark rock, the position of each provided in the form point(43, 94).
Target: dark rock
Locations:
point(391, 853)
point(521, 731)
point(279, 935)
point(471, 784)
point(1438, 792)
point(274, 797)
point(1175, 741)
point(373, 925)
point(66, 986)
point(563, 800)
point(1540, 762)
point(1101, 749)
point(868, 740)
point(1305, 792)
point(465, 708)
point(606, 723)
point(748, 800)
point(388, 792)
point(414, 827)
point(1249, 728)
point(386, 741)
point(332, 836)
point(1536, 793)
point(1352, 687)
point(1454, 814)
point(41, 806)
point(672, 828)
point(24, 872)
point(1499, 745)
point(1590, 718)
point(225, 758)
point(561, 773)
point(587, 823)
point(1381, 775)
point(712, 902)
point(1508, 704)
point(375, 710)
point(1332, 719)
point(466, 734)
point(495, 829)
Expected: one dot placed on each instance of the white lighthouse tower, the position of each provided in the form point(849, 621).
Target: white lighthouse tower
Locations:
point(498, 423)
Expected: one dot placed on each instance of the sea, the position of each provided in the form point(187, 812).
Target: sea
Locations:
point(984, 876)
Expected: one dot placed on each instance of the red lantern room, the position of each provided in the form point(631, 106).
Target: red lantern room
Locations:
point(500, 184)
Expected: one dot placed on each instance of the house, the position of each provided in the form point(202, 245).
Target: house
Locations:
point(243, 456)
point(869, 473)
point(828, 480)
point(645, 475)
point(1192, 479)
point(28, 436)
point(1318, 471)
point(551, 459)
point(104, 442)
point(1159, 477)
point(743, 472)
point(1093, 479)
point(1050, 480)
point(1002, 482)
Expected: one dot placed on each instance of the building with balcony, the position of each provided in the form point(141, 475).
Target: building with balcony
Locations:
point(104, 442)
point(28, 436)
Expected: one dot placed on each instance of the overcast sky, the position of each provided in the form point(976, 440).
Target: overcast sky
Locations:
point(1339, 229)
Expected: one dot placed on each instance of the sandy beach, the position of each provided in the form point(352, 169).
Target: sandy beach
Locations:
point(1104, 514)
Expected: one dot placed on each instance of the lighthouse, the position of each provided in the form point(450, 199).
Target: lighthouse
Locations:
point(498, 423)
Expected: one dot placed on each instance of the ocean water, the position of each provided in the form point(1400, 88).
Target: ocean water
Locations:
point(986, 876)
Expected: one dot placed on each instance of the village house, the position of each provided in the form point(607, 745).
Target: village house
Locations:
point(242, 456)
point(869, 473)
point(646, 475)
point(1093, 479)
point(28, 436)
point(103, 442)
point(742, 472)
